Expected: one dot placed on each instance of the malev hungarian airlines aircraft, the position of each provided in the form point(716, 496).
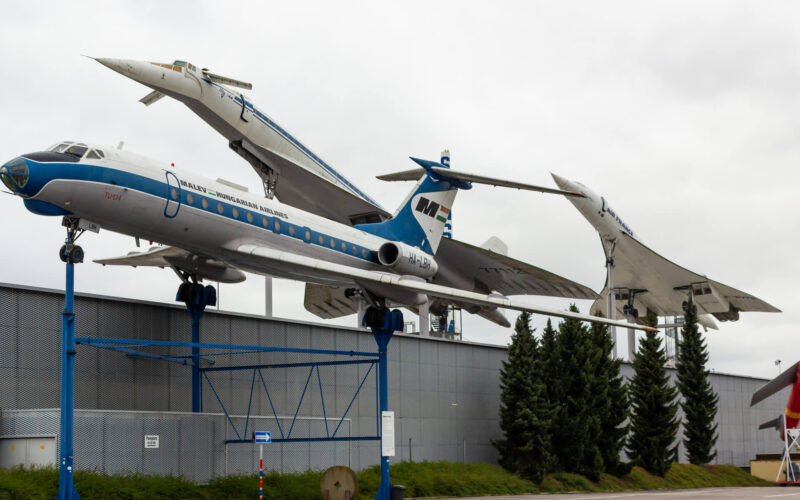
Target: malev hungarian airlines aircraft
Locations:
point(642, 279)
point(300, 178)
point(214, 231)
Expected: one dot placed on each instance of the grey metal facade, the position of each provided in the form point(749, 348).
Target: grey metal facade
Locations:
point(445, 394)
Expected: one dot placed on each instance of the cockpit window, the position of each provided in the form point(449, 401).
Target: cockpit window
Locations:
point(60, 147)
point(184, 64)
point(78, 150)
point(93, 155)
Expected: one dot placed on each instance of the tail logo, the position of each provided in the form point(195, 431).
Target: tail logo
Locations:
point(432, 209)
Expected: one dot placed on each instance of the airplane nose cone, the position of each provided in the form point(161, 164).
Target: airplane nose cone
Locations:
point(140, 71)
point(15, 174)
point(561, 182)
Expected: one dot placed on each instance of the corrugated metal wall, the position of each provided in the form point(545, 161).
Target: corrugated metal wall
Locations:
point(445, 394)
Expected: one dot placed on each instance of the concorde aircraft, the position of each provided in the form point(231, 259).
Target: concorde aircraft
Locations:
point(643, 280)
point(300, 178)
point(215, 231)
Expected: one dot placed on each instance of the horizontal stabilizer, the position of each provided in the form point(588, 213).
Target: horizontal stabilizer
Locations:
point(785, 379)
point(775, 423)
point(151, 98)
point(224, 80)
point(447, 173)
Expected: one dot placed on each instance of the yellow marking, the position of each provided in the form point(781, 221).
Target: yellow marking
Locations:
point(41, 447)
point(12, 447)
point(792, 414)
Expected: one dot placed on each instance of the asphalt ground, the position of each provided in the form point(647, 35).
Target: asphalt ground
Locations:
point(775, 492)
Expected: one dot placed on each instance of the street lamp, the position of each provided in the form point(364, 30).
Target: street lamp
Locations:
point(778, 364)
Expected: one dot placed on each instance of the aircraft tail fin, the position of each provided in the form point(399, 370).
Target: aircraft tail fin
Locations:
point(420, 219)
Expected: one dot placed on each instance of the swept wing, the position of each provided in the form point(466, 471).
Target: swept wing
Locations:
point(663, 286)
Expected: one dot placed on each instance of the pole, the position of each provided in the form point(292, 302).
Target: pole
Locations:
point(261, 472)
point(612, 305)
point(195, 311)
point(66, 486)
point(382, 337)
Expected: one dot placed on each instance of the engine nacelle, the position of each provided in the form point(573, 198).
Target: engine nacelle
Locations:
point(406, 259)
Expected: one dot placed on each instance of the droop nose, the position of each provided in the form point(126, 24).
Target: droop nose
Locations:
point(15, 174)
point(561, 182)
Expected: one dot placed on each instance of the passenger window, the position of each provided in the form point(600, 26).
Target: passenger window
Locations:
point(189, 199)
point(220, 208)
point(235, 213)
point(249, 217)
point(204, 203)
point(264, 222)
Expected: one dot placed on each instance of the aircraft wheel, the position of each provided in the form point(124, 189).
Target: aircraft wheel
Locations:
point(635, 313)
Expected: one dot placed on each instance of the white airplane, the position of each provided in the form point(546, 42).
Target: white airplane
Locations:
point(298, 177)
point(215, 231)
point(288, 168)
point(643, 280)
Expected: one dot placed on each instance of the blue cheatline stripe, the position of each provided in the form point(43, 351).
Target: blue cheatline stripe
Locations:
point(123, 179)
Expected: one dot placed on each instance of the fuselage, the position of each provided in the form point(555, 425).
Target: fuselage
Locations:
point(133, 195)
point(595, 209)
point(229, 113)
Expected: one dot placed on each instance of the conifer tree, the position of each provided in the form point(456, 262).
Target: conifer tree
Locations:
point(611, 400)
point(699, 400)
point(524, 413)
point(576, 424)
point(653, 423)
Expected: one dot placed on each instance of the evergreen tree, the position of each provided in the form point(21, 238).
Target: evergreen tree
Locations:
point(653, 423)
point(524, 414)
point(576, 424)
point(699, 400)
point(611, 402)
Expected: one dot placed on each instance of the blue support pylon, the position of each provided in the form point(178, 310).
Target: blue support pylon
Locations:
point(196, 297)
point(383, 324)
point(70, 254)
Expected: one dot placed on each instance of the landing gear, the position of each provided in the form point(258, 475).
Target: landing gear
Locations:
point(629, 310)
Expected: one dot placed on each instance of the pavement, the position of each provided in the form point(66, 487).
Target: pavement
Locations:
point(775, 492)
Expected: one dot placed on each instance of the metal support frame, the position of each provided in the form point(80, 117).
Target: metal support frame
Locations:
point(791, 439)
point(609, 246)
point(383, 324)
point(66, 485)
point(382, 338)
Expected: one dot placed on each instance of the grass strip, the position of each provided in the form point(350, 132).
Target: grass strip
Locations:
point(421, 479)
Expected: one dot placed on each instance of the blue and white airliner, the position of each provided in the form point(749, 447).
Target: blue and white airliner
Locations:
point(214, 230)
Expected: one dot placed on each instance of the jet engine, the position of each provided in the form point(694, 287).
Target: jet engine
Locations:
point(406, 259)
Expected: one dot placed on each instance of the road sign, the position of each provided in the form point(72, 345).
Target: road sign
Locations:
point(263, 437)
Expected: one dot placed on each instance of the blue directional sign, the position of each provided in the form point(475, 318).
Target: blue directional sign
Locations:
point(263, 437)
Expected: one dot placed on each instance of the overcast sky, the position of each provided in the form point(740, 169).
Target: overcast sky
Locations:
point(684, 115)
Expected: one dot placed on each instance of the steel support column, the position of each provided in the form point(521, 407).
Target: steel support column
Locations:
point(66, 486)
point(196, 297)
point(382, 337)
point(383, 324)
point(195, 313)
